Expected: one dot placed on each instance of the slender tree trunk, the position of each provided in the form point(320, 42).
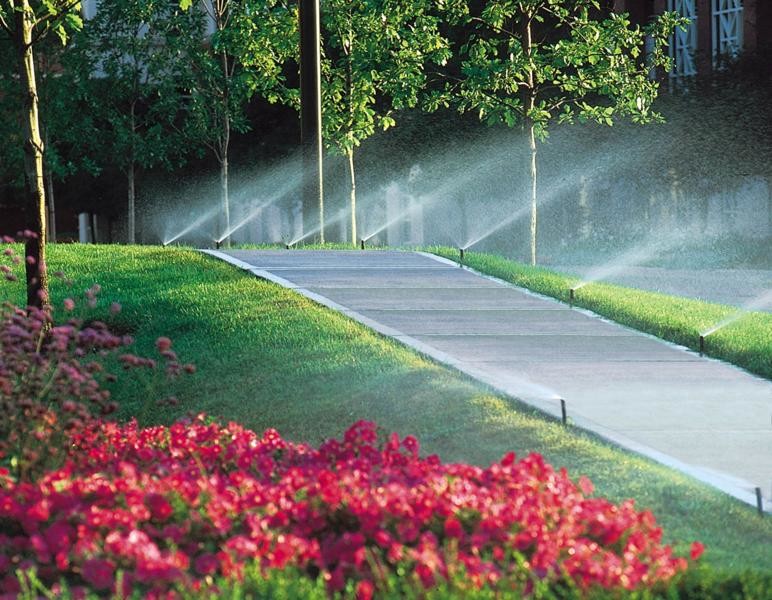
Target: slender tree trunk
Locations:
point(35, 201)
point(353, 197)
point(532, 145)
point(529, 102)
point(130, 175)
point(226, 212)
point(51, 206)
point(224, 147)
point(132, 225)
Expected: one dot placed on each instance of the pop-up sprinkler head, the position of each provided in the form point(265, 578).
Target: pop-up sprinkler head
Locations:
point(461, 255)
point(217, 244)
point(571, 294)
point(702, 345)
point(287, 247)
point(362, 243)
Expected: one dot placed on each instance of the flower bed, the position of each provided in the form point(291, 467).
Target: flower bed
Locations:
point(177, 507)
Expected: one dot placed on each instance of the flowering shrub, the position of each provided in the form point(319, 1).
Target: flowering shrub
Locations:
point(52, 378)
point(180, 506)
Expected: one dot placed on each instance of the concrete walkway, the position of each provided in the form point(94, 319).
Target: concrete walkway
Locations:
point(701, 416)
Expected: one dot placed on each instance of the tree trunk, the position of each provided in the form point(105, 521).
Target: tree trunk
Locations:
point(132, 225)
point(35, 195)
point(225, 140)
point(51, 206)
point(529, 102)
point(51, 223)
point(532, 144)
point(226, 211)
point(353, 197)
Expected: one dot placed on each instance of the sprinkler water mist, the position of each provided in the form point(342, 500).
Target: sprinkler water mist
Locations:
point(702, 345)
point(571, 295)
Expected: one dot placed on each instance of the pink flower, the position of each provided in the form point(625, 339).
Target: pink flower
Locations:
point(69, 304)
point(163, 344)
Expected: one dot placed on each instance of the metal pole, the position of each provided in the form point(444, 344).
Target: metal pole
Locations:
point(311, 114)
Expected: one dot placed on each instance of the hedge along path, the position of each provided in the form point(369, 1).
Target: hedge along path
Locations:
point(700, 416)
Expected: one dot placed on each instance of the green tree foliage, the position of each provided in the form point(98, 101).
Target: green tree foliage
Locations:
point(375, 56)
point(11, 145)
point(374, 62)
point(24, 23)
point(238, 61)
point(534, 62)
point(127, 64)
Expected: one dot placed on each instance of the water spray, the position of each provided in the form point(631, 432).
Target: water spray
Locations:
point(702, 345)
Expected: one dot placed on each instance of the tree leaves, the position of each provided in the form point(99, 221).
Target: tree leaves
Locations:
point(578, 65)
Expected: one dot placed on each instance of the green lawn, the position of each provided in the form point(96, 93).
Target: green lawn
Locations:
point(746, 342)
point(270, 358)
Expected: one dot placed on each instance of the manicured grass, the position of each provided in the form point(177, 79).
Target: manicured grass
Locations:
point(270, 358)
point(746, 342)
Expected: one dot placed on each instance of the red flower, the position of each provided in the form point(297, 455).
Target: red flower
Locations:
point(364, 590)
point(206, 564)
point(159, 507)
point(696, 550)
point(99, 573)
point(453, 528)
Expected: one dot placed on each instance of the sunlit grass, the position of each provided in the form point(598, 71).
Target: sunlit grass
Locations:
point(746, 342)
point(269, 358)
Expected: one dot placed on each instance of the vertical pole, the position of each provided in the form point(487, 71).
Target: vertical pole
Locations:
point(563, 413)
point(311, 114)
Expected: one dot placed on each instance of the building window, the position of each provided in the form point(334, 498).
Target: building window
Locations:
point(683, 43)
point(727, 29)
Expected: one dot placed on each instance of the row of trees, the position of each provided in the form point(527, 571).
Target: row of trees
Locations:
point(146, 82)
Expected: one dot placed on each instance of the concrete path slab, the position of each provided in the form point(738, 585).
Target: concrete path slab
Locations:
point(701, 416)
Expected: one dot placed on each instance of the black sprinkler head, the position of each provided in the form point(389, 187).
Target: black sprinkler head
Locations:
point(571, 293)
point(461, 254)
point(362, 243)
point(217, 244)
point(702, 344)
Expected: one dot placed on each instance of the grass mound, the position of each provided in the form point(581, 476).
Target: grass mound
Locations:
point(267, 357)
